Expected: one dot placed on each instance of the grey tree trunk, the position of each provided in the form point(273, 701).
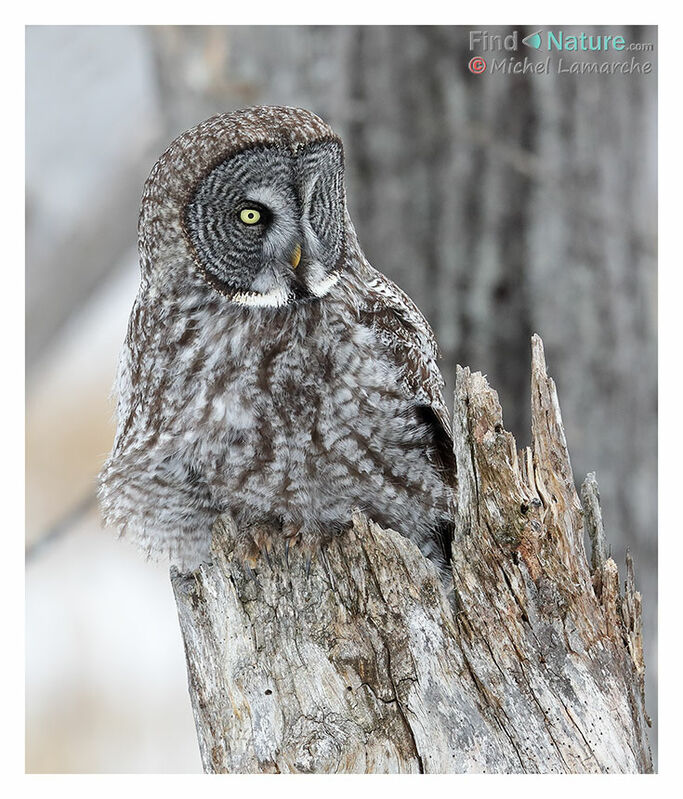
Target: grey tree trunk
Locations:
point(532, 663)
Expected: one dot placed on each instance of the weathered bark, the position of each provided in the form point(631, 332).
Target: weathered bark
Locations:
point(532, 664)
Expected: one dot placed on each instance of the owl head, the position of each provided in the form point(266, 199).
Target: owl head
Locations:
point(252, 204)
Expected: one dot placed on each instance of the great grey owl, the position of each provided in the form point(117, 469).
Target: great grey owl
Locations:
point(269, 372)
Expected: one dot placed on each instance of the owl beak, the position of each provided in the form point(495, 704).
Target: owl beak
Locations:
point(295, 257)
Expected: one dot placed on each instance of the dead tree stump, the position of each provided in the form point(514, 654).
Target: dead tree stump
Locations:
point(533, 663)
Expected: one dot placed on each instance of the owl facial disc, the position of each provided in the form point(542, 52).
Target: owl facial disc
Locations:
point(266, 226)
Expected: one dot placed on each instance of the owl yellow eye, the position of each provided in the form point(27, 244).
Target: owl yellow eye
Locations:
point(250, 216)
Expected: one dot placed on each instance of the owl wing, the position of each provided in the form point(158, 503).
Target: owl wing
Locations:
point(402, 328)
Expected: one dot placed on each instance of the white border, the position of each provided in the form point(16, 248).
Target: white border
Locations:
point(491, 13)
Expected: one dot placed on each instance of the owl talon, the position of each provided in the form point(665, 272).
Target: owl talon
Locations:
point(254, 544)
point(292, 538)
point(328, 570)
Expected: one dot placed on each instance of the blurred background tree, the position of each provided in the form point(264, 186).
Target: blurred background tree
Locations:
point(503, 204)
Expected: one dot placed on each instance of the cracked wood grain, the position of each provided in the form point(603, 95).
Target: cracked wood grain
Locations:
point(532, 662)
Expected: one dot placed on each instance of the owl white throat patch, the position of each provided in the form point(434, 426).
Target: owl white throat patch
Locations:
point(280, 296)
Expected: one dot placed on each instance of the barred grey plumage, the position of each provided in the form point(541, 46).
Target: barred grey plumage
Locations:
point(269, 371)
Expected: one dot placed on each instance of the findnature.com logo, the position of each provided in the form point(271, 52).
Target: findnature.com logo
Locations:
point(599, 45)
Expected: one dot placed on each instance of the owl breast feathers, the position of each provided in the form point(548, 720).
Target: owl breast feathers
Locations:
point(269, 372)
